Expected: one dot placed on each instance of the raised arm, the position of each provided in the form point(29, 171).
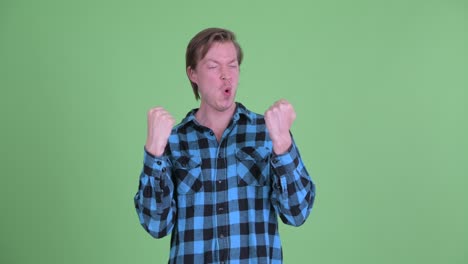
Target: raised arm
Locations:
point(154, 201)
point(293, 190)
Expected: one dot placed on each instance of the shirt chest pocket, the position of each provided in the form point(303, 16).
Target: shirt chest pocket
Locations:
point(253, 166)
point(188, 173)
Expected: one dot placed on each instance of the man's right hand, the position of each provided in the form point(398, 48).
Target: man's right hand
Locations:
point(160, 124)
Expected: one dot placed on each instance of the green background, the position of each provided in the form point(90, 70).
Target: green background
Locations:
point(380, 89)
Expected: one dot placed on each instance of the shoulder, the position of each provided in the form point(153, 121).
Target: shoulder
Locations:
point(182, 126)
point(249, 116)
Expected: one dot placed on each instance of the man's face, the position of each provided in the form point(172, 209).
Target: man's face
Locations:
point(217, 76)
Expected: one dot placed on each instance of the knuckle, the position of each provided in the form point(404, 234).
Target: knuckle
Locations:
point(154, 110)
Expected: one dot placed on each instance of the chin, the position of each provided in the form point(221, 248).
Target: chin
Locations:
point(226, 106)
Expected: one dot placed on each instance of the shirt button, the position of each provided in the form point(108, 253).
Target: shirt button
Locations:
point(211, 133)
point(221, 236)
point(158, 162)
point(220, 181)
point(164, 169)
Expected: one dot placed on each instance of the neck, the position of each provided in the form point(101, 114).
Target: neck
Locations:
point(215, 120)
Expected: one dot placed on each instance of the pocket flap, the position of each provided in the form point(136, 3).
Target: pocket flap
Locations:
point(187, 171)
point(187, 162)
point(252, 153)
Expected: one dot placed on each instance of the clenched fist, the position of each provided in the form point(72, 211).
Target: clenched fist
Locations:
point(160, 124)
point(279, 119)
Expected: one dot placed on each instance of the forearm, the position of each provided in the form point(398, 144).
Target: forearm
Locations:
point(293, 189)
point(154, 201)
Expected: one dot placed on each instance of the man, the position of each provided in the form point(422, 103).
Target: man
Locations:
point(218, 180)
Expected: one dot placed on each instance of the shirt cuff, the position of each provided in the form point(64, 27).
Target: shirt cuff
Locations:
point(286, 159)
point(155, 166)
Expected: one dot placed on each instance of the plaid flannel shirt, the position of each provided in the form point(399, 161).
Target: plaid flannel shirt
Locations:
point(220, 200)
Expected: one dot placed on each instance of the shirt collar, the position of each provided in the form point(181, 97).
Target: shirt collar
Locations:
point(241, 111)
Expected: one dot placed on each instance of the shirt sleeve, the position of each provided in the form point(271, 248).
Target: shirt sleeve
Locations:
point(154, 201)
point(293, 189)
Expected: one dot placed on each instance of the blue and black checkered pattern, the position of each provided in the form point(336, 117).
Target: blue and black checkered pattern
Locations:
point(221, 200)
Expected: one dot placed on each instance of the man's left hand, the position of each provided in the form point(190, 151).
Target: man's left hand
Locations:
point(279, 119)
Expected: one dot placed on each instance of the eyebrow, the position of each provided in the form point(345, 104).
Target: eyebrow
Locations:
point(215, 61)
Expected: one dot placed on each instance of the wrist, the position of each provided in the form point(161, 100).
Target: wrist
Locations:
point(156, 151)
point(282, 146)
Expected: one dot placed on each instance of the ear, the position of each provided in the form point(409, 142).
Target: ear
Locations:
point(192, 75)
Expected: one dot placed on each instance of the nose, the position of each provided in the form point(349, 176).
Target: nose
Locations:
point(225, 75)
